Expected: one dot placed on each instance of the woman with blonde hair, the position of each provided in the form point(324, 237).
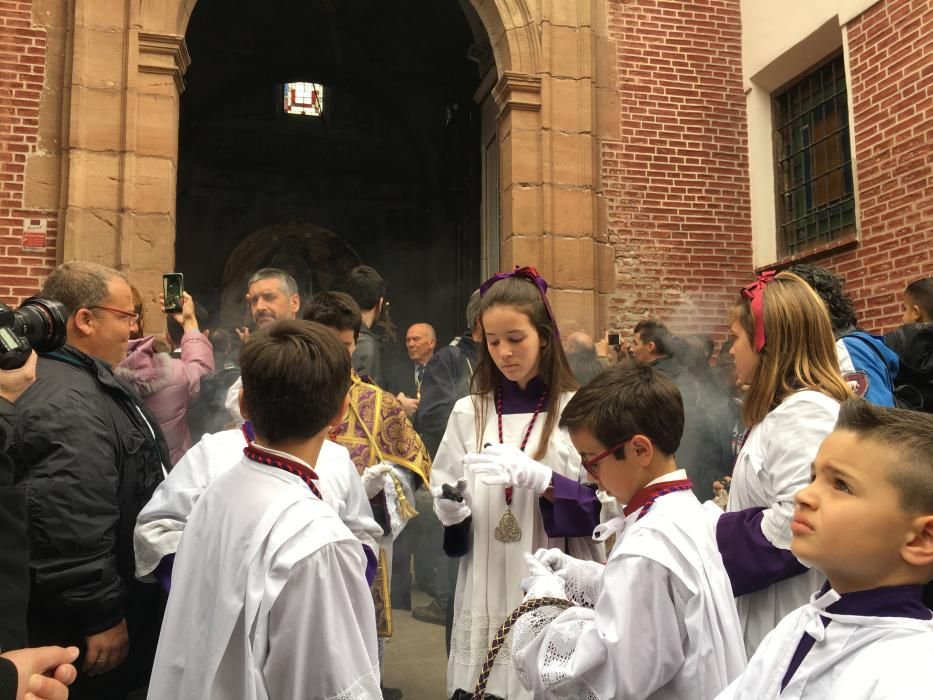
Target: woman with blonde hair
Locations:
point(785, 351)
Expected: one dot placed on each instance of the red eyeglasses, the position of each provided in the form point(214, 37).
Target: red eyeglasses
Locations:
point(592, 465)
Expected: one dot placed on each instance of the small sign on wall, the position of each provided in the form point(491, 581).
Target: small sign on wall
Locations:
point(35, 235)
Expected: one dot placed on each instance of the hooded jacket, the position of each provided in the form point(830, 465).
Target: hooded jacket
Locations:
point(168, 385)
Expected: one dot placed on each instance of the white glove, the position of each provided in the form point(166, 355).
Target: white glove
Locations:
point(451, 512)
point(542, 583)
point(507, 465)
point(554, 560)
point(374, 478)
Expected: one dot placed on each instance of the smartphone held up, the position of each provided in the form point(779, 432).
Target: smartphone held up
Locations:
point(173, 289)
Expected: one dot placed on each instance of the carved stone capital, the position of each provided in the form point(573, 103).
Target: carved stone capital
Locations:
point(517, 91)
point(164, 54)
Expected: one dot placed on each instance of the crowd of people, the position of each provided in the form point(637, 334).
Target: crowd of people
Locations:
point(205, 513)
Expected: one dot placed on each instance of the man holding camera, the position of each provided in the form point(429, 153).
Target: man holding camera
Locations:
point(92, 455)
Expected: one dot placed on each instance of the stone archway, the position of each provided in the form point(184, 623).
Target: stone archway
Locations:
point(120, 140)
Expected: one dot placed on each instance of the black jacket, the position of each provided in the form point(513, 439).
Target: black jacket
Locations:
point(92, 463)
point(367, 358)
point(14, 551)
point(446, 379)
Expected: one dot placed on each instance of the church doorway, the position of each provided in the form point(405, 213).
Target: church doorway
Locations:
point(319, 135)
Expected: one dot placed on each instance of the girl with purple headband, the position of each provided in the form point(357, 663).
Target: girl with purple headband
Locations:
point(506, 480)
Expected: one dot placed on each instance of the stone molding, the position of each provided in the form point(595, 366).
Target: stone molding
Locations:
point(519, 92)
point(164, 54)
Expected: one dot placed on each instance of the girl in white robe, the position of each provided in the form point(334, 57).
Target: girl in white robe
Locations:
point(521, 383)
point(784, 350)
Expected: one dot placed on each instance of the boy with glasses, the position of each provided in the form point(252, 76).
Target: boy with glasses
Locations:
point(658, 620)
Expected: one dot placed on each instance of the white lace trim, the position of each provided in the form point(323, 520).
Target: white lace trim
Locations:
point(559, 645)
point(583, 582)
point(362, 689)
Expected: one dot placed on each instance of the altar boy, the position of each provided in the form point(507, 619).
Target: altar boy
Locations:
point(658, 620)
point(866, 520)
point(269, 597)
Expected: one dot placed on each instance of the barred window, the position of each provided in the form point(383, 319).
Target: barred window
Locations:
point(815, 204)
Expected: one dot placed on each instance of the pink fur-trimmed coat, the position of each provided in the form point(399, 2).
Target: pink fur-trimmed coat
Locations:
point(168, 385)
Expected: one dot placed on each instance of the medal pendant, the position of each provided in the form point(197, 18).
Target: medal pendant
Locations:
point(508, 529)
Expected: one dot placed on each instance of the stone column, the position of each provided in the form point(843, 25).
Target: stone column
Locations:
point(549, 165)
point(120, 144)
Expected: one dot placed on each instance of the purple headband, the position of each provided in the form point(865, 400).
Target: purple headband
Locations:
point(528, 272)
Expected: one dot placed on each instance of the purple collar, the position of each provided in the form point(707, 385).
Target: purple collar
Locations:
point(889, 601)
point(516, 400)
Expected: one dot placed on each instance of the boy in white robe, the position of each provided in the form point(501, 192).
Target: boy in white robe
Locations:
point(269, 597)
point(160, 524)
point(866, 520)
point(659, 619)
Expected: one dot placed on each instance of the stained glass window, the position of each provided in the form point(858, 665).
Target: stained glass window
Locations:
point(305, 99)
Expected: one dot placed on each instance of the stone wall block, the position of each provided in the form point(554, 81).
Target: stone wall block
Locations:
point(99, 58)
point(605, 63)
point(94, 182)
point(97, 240)
point(569, 158)
point(153, 242)
point(608, 104)
point(530, 250)
point(520, 158)
point(43, 181)
point(605, 268)
point(574, 263)
point(568, 104)
point(521, 209)
point(96, 122)
point(157, 126)
point(571, 211)
point(102, 14)
point(574, 305)
point(154, 186)
point(569, 13)
point(568, 51)
point(602, 219)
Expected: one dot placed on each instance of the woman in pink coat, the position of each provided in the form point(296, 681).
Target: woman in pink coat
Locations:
point(168, 382)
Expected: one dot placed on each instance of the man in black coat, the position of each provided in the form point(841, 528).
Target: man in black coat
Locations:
point(92, 455)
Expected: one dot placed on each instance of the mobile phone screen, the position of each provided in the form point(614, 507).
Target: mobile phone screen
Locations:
point(614, 339)
point(173, 286)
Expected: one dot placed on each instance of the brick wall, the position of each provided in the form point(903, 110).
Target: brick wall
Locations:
point(891, 103)
point(22, 76)
point(676, 183)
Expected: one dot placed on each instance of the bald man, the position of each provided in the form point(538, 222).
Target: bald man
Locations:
point(405, 379)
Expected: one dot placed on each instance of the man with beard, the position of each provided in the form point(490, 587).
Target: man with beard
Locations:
point(272, 295)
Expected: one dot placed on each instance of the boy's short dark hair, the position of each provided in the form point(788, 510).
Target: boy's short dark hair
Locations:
point(366, 286)
point(908, 435)
point(335, 310)
point(628, 399)
point(921, 294)
point(295, 377)
point(657, 333)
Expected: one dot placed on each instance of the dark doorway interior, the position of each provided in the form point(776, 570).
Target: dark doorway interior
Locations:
point(387, 175)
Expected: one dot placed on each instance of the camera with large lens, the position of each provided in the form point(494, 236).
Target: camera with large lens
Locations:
point(39, 324)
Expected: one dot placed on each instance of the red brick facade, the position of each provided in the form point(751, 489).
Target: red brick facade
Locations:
point(22, 73)
point(677, 182)
point(891, 103)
